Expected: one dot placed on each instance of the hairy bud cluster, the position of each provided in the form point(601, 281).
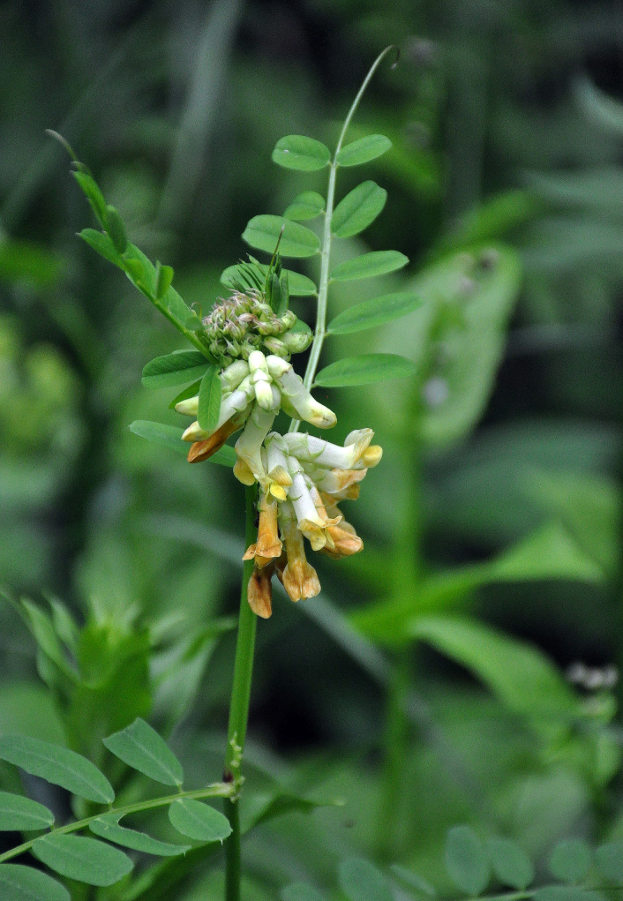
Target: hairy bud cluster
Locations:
point(242, 323)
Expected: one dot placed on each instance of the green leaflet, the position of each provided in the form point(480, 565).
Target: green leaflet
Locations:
point(364, 370)
point(511, 865)
point(142, 748)
point(210, 392)
point(363, 150)
point(17, 812)
point(101, 243)
point(570, 860)
point(21, 883)
point(85, 859)
point(174, 369)
point(358, 209)
point(301, 153)
point(58, 765)
point(296, 240)
point(307, 205)
point(361, 881)
point(199, 821)
point(107, 826)
point(374, 312)
point(466, 860)
point(376, 262)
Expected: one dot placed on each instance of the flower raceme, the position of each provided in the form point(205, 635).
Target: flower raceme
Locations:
point(301, 478)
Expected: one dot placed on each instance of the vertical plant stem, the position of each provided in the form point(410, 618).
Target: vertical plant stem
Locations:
point(239, 711)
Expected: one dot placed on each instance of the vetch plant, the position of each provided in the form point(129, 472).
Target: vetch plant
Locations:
point(238, 377)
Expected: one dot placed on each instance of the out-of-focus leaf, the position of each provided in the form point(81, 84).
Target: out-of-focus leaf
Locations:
point(466, 860)
point(300, 891)
point(17, 812)
point(21, 883)
point(301, 153)
point(570, 860)
point(358, 209)
point(364, 370)
point(486, 285)
point(23, 261)
point(566, 893)
point(414, 880)
point(599, 107)
point(510, 863)
point(307, 205)
point(490, 221)
point(368, 265)
point(295, 240)
point(85, 859)
point(142, 748)
point(598, 188)
point(363, 150)
point(609, 861)
point(361, 881)
point(58, 765)
point(373, 312)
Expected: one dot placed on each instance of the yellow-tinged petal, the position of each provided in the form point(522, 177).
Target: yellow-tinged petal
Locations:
point(268, 541)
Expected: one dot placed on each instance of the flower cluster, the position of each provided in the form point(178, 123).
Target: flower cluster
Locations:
point(301, 478)
point(244, 322)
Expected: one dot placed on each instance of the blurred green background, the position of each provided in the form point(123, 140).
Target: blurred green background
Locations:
point(507, 127)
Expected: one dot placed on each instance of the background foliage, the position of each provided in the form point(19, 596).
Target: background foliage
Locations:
point(496, 504)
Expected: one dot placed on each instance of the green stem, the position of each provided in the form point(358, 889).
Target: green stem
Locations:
point(239, 711)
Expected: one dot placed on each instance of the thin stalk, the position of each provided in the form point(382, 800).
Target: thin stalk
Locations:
point(239, 711)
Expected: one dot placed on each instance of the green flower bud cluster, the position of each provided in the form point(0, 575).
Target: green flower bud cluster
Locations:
point(242, 323)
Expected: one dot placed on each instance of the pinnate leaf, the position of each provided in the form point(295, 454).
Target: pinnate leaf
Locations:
point(307, 205)
point(367, 265)
point(374, 312)
point(57, 765)
point(85, 859)
point(364, 370)
point(107, 826)
point(17, 812)
point(297, 240)
point(174, 369)
point(466, 861)
point(363, 150)
point(358, 209)
point(361, 881)
point(20, 883)
point(140, 747)
point(510, 863)
point(301, 153)
point(199, 821)
point(210, 392)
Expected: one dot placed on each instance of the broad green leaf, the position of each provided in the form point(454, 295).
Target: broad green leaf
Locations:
point(374, 312)
point(57, 765)
point(466, 860)
point(609, 861)
point(85, 859)
point(107, 826)
point(566, 893)
point(414, 880)
point(298, 285)
point(297, 240)
point(307, 205)
point(363, 150)
point(17, 812)
point(361, 881)
point(510, 863)
point(140, 747)
point(171, 437)
point(365, 369)
point(174, 369)
point(368, 265)
point(358, 209)
point(102, 244)
point(199, 821)
point(301, 153)
point(210, 392)
point(21, 883)
point(518, 673)
point(570, 860)
point(300, 891)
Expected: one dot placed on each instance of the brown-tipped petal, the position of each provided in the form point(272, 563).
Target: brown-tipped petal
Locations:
point(346, 542)
point(268, 541)
point(259, 592)
point(300, 580)
point(249, 554)
point(202, 450)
